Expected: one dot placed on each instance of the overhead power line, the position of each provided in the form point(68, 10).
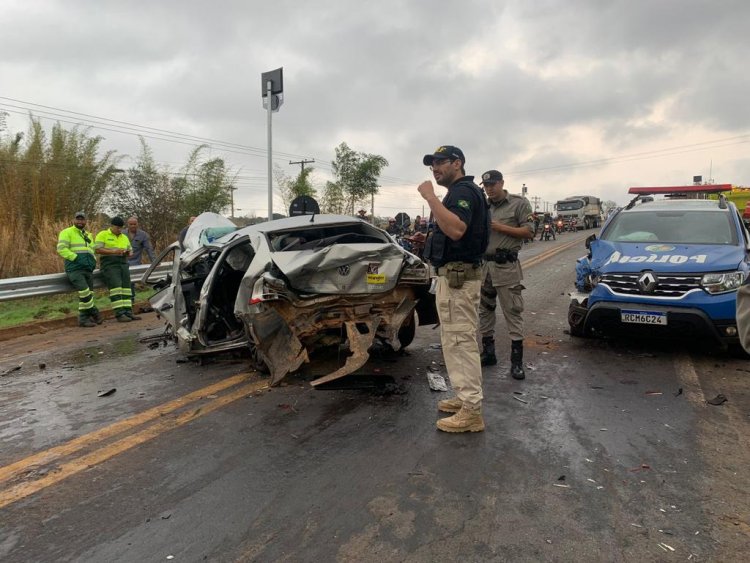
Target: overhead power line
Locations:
point(129, 128)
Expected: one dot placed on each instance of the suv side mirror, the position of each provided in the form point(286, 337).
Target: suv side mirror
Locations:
point(589, 240)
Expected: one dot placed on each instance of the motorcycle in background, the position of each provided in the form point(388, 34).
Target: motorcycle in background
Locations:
point(559, 226)
point(547, 232)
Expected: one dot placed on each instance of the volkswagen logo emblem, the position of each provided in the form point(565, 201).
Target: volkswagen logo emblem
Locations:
point(344, 270)
point(647, 282)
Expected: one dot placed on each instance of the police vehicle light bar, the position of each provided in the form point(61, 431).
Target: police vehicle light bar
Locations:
point(712, 188)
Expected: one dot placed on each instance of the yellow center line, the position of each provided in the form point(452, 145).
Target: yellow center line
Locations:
point(72, 446)
point(67, 469)
point(534, 260)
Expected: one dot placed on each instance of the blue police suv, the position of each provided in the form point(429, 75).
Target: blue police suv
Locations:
point(664, 268)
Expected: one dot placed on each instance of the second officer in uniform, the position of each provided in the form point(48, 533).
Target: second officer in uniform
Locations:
point(511, 223)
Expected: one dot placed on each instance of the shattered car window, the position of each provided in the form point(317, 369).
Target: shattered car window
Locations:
point(321, 237)
point(674, 226)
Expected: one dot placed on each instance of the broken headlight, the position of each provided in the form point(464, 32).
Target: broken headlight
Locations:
point(722, 282)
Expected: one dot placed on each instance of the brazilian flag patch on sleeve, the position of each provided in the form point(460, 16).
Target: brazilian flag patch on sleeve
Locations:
point(463, 203)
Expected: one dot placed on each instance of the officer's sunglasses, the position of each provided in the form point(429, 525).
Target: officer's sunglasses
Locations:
point(439, 162)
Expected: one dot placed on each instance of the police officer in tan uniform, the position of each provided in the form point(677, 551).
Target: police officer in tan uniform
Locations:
point(512, 221)
point(455, 250)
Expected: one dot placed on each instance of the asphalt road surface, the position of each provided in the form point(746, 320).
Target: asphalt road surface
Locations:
point(608, 451)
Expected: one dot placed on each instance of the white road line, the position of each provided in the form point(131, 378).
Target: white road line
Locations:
point(691, 385)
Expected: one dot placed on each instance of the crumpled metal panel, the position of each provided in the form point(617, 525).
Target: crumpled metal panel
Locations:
point(343, 268)
point(359, 344)
point(281, 349)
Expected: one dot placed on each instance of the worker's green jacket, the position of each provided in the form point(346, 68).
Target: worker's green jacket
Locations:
point(76, 246)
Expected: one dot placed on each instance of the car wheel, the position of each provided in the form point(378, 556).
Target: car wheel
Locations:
point(257, 361)
point(407, 331)
point(576, 320)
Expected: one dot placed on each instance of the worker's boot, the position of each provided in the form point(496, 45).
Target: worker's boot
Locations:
point(453, 404)
point(123, 319)
point(96, 316)
point(516, 359)
point(133, 317)
point(465, 420)
point(86, 322)
point(487, 357)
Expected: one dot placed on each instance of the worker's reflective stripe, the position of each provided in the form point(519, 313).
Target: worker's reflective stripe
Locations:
point(120, 297)
point(85, 299)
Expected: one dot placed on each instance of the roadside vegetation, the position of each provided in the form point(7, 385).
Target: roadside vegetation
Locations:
point(51, 307)
point(48, 175)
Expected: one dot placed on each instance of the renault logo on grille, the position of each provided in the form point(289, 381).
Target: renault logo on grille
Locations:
point(647, 282)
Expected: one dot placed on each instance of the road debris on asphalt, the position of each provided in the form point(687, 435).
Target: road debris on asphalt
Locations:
point(665, 547)
point(653, 393)
point(106, 393)
point(11, 370)
point(436, 346)
point(521, 400)
point(436, 381)
point(560, 485)
point(640, 467)
point(679, 392)
point(718, 400)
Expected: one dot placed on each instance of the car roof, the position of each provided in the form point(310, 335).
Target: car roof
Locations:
point(678, 205)
point(298, 222)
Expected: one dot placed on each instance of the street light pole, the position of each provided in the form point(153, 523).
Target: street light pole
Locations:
point(269, 88)
point(272, 88)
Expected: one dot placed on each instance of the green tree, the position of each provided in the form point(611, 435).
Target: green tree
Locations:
point(356, 176)
point(207, 186)
point(151, 195)
point(334, 200)
point(43, 181)
point(291, 188)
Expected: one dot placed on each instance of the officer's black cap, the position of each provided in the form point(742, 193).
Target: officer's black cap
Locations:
point(445, 151)
point(80, 214)
point(492, 177)
point(118, 222)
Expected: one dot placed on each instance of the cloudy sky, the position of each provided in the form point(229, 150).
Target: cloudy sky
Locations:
point(568, 97)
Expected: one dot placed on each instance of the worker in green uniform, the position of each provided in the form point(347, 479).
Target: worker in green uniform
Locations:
point(76, 245)
point(114, 248)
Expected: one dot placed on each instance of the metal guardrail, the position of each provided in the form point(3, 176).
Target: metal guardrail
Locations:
point(50, 284)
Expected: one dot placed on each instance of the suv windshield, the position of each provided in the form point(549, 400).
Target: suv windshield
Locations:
point(677, 227)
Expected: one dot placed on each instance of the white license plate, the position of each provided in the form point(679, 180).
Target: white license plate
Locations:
point(643, 317)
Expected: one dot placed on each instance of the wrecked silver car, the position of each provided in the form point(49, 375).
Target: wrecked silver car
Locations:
point(289, 287)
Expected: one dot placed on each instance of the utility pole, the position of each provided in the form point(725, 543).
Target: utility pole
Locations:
point(536, 200)
point(302, 163)
point(231, 195)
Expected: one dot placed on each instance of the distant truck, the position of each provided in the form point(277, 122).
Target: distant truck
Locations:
point(585, 209)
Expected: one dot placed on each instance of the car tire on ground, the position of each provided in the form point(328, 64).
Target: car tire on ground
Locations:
point(407, 331)
point(576, 318)
point(257, 361)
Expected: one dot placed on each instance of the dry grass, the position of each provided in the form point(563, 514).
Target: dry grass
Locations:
point(33, 253)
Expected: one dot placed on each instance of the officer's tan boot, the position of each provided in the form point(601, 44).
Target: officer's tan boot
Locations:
point(465, 420)
point(453, 404)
